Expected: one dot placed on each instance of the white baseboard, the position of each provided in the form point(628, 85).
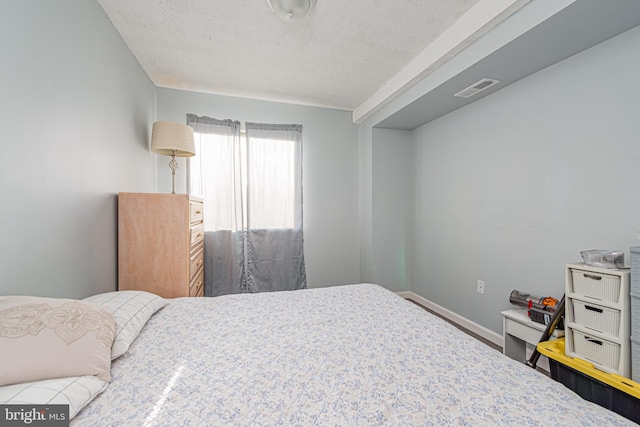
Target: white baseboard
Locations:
point(480, 330)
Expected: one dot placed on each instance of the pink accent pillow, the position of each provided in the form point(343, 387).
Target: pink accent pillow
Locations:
point(45, 338)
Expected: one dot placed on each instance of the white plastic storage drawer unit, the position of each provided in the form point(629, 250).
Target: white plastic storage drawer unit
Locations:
point(635, 270)
point(635, 313)
point(635, 359)
point(597, 317)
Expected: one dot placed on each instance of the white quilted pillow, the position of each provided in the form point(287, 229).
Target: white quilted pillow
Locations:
point(76, 392)
point(131, 310)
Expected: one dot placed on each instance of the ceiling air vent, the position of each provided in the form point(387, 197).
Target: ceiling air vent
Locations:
point(476, 88)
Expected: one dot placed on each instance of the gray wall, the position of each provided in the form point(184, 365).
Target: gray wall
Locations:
point(528, 17)
point(330, 173)
point(393, 208)
point(512, 187)
point(75, 114)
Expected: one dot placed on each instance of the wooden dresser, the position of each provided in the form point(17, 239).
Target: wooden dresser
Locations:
point(161, 244)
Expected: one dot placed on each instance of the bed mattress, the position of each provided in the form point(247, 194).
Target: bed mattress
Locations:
point(355, 355)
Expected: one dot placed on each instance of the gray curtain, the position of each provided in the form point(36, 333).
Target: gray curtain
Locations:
point(252, 190)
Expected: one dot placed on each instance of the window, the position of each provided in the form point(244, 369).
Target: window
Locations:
point(251, 184)
point(248, 181)
point(271, 187)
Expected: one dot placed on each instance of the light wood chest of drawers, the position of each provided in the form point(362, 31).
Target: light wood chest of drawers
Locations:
point(161, 244)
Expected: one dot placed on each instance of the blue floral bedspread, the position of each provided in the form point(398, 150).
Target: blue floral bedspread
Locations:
point(355, 355)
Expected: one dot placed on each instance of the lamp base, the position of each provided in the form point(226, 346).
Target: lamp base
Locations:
point(173, 164)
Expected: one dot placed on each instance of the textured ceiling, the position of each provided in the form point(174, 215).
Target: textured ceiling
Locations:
point(337, 56)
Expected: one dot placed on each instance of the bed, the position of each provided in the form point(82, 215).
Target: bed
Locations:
point(355, 355)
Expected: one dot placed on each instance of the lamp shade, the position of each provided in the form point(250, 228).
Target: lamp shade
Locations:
point(170, 138)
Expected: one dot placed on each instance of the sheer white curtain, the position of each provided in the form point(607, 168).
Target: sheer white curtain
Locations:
point(252, 188)
point(215, 173)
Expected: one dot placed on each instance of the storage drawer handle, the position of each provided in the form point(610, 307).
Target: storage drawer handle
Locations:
point(596, 309)
point(591, 276)
point(198, 212)
point(593, 340)
point(199, 234)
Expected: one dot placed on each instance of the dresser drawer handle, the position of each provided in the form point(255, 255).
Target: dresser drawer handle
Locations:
point(591, 276)
point(596, 309)
point(593, 340)
point(199, 235)
point(198, 212)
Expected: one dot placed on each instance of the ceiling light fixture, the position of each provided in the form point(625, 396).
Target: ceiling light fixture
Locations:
point(291, 10)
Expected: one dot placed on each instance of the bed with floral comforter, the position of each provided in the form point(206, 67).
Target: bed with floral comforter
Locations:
point(354, 355)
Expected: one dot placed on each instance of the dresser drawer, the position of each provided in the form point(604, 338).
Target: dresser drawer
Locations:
point(196, 211)
point(196, 287)
point(196, 259)
point(597, 350)
point(596, 317)
point(596, 285)
point(197, 234)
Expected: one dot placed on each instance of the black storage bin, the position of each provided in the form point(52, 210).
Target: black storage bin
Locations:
point(596, 391)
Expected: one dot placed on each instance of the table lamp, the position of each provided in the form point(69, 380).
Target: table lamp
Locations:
point(175, 140)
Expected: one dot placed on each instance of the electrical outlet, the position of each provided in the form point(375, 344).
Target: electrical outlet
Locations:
point(480, 287)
